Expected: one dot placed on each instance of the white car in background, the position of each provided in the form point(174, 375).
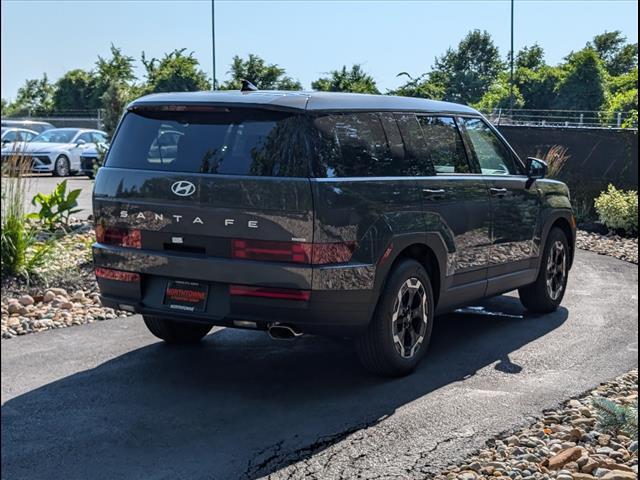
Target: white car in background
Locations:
point(10, 135)
point(57, 150)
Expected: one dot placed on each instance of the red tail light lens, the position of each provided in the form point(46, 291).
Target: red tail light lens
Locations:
point(121, 237)
point(309, 253)
point(119, 275)
point(267, 292)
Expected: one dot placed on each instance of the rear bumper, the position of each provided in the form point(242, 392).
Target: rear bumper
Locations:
point(342, 298)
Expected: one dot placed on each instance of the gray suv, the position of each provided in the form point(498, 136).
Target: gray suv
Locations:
point(322, 213)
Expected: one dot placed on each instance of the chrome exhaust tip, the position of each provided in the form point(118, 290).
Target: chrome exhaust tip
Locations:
point(278, 331)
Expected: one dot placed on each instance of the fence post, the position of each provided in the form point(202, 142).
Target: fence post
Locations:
point(619, 119)
point(581, 119)
point(99, 120)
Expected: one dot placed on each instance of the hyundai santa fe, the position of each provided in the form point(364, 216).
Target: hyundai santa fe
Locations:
point(322, 213)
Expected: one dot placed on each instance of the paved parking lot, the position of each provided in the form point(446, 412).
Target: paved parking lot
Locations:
point(46, 184)
point(108, 400)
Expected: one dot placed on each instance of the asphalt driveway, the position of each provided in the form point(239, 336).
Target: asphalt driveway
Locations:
point(107, 400)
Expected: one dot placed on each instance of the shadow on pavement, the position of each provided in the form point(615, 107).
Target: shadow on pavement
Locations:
point(239, 405)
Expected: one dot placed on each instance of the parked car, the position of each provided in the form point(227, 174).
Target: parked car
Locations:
point(58, 150)
point(38, 127)
point(89, 162)
point(10, 135)
point(322, 213)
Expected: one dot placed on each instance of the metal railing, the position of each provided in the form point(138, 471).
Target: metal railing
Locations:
point(561, 118)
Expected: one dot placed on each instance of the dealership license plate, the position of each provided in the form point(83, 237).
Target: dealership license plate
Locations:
point(186, 296)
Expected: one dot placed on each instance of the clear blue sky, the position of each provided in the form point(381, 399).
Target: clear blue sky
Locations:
point(308, 38)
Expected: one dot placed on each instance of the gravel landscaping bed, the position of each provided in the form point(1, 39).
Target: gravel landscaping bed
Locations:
point(612, 245)
point(564, 445)
point(64, 293)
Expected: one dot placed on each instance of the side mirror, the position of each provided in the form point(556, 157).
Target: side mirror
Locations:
point(537, 168)
point(80, 142)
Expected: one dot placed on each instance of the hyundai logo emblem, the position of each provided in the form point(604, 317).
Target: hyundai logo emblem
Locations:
point(183, 188)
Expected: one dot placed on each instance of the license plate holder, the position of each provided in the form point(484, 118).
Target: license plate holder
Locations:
point(186, 296)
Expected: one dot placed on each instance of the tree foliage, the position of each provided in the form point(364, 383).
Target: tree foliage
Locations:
point(583, 85)
point(530, 57)
point(262, 75)
point(34, 97)
point(466, 73)
point(418, 87)
point(499, 96)
point(74, 90)
point(618, 56)
point(175, 72)
point(354, 80)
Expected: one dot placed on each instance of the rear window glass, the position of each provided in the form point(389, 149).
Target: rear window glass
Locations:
point(236, 142)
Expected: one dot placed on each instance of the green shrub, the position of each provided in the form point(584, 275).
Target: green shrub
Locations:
point(615, 418)
point(618, 209)
point(20, 251)
point(56, 207)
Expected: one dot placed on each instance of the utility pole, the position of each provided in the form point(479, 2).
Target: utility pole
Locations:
point(512, 59)
point(213, 43)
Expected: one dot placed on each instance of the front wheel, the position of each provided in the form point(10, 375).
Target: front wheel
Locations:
point(62, 168)
point(546, 294)
point(176, 332)
point(400, 330)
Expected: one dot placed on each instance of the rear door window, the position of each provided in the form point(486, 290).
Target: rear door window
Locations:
point(417, 157)
point(227, 142)
point(352, 145)
point(444, 145)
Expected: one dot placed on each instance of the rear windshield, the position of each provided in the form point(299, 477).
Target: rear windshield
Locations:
point(227, 142)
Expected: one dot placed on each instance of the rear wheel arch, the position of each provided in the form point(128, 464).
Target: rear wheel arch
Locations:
point(424, 254)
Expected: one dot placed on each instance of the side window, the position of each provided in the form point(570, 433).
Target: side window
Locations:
point(493, 157)
point(27, 136)
point(352, 145)
point(86, 136)
point(98, 137)
point(11, 136)
point(417, 159)
point(444, 145)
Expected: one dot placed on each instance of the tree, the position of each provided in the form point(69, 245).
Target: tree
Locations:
point(114, 100)
point(583, 84)
point(530, 57)
point(466, 73)
point(353, 80)
point(108, 71)
point(262, 75)
point(499, 96)
point(418, 87)
point(34, 97)
point(538, 86)
point(4, 105)
point(618, 57)
point(175, 72)
point(623, 97)
point(74, 91)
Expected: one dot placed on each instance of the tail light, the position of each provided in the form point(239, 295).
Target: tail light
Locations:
point(296, 252)
point(268, 292)
point(121, 237)
point(119, 275)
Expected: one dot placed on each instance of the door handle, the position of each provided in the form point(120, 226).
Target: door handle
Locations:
point(433, 193)
point(498, 192)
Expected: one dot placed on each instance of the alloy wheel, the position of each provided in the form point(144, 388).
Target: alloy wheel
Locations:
point(556, 270)
point(410, 317)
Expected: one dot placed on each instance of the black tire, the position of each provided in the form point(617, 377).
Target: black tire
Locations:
point(540, 297)
point(176, 332)
point(62, 167)
point(378, 348)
